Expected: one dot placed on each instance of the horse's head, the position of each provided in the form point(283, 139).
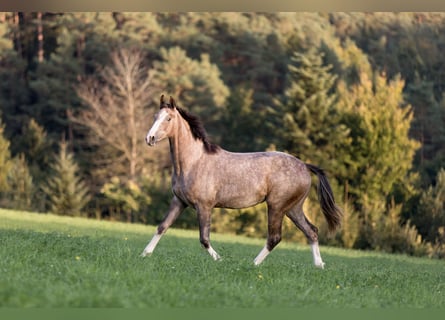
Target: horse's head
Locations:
point(163, 124)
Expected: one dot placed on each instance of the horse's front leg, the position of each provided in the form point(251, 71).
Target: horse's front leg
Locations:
point(204, 231)
point(176, 207)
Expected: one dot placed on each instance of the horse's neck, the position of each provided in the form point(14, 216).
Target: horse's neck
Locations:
point(185, 150)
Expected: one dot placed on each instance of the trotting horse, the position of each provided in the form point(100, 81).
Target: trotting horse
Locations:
point(206, 176)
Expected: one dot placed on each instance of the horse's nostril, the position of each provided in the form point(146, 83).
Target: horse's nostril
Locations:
point(150, 140)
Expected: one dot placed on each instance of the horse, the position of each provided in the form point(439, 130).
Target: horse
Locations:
point(205, 176)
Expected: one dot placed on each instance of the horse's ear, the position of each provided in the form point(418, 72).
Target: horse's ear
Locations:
point(161, 103)
point(172, 102)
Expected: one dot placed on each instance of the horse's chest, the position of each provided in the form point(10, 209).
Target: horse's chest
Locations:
point(185, 189)
point(180, 193)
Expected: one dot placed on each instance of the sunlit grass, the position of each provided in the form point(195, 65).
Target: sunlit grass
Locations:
point(56, 261)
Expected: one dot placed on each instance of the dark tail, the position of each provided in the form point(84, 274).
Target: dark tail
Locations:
point(330, 210)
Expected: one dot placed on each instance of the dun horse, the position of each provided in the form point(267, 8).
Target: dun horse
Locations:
point(205, 176)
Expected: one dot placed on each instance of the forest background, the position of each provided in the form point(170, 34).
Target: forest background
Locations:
point(359, 94)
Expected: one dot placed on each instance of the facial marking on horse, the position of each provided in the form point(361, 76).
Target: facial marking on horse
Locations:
point(153, 134)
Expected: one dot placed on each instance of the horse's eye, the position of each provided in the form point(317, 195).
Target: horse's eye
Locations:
point(169, 118)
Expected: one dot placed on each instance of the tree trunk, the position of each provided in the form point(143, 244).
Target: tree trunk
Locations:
point(40, 51)
point(17, 36)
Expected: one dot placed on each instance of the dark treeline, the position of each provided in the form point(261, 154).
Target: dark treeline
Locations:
point(359, 94)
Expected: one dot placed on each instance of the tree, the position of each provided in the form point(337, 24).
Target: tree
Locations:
point(127, 195)
point(118, 107)
point(242, 125)
point(15, 179)
point(196, 85)
point(52, 86)
point(138, 28)
point(36, 147)
point(5, 160)
point(381, 151)
point(348, 61)
point(428, 128)
point(21, 185)
point(14, 94)
point(431, 212)
point(66, 191)
point(310, 122)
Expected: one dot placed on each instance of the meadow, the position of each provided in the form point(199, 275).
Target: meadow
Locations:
point(53, 261)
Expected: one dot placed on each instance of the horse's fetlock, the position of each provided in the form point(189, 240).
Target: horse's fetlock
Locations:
point(272, 241)
point(205, 243)
point(313, 237)
point(161, 229)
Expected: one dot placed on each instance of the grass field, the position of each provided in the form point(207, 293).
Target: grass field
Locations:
point(51, 261)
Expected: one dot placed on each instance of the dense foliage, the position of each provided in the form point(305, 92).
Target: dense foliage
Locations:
point(360, 94)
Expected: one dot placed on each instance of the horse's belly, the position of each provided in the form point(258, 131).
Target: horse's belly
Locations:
point(239, 199)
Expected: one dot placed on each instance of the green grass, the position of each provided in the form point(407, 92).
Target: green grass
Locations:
point(47, 260)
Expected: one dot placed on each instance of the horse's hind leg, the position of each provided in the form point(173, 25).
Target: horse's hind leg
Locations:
point(176, 207)
point(274, 223)
point(297, 216)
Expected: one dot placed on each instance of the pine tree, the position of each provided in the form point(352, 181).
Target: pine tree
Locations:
point(310, 122)
point(138, 28)
point(35, 145)
point(431, 213)
point(242, 125)
point(428, 128)
point(14, 93)
point(66, 191)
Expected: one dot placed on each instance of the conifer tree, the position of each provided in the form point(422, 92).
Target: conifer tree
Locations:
point(241, 124)
point(310, 123)
point(431, 215)
point(66, 191)
point(428, 128)
point(35, 145)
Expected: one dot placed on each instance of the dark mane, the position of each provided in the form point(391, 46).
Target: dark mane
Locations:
point(198, 130)
point(196, 127)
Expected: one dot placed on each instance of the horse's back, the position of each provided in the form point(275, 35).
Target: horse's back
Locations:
point(272, 164)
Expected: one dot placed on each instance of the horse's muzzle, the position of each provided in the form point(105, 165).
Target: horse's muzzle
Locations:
point(151, 140)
